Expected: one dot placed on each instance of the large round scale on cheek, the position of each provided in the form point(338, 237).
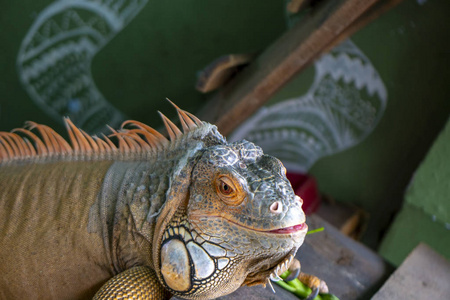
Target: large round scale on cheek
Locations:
point(204, 265)
point(175, 266)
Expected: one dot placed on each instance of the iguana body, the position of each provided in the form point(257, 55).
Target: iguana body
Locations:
point(193, 216)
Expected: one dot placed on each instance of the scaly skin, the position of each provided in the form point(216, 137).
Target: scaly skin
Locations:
point(196, 217)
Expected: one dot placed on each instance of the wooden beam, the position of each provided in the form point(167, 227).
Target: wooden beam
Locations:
point(326, 25)
point(370, 15)
point(220, 71)
point(294, 6)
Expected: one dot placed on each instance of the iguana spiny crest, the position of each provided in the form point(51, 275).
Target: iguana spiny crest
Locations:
point(227, 217)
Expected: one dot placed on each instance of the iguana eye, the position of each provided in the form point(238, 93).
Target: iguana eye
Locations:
point(225, 186)
point(225, 189)
point(229, 191)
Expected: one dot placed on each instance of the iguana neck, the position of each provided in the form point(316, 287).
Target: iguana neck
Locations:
point(131, 200)
point(128, 204)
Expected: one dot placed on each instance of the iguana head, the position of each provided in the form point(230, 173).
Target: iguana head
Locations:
point(240, 223)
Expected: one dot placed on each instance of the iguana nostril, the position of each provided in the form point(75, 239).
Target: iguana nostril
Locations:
point(297, 198)
point(276, 207)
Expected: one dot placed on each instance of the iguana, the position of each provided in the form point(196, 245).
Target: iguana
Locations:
point(192, 215)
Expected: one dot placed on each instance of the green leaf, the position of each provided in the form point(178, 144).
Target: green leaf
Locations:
point(316, 230)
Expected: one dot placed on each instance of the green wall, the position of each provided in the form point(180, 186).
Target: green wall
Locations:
point(425, 216)
point(156, 54)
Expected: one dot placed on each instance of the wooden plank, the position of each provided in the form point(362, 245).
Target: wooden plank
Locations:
point(423, 275)
point(327, 24)
point(220, 70)
point(294, 6)
point(350, 269)
point(349, 219)
point(370, 15)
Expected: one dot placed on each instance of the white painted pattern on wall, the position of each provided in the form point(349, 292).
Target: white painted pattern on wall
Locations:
point(54, 60)
point(342, 106)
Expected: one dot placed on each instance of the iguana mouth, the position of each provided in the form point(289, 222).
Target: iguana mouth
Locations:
point(287, 230)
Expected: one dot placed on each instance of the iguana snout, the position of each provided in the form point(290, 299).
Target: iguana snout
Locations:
point(239, 183)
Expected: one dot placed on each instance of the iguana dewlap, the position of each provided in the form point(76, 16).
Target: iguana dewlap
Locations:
point(192, 216)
